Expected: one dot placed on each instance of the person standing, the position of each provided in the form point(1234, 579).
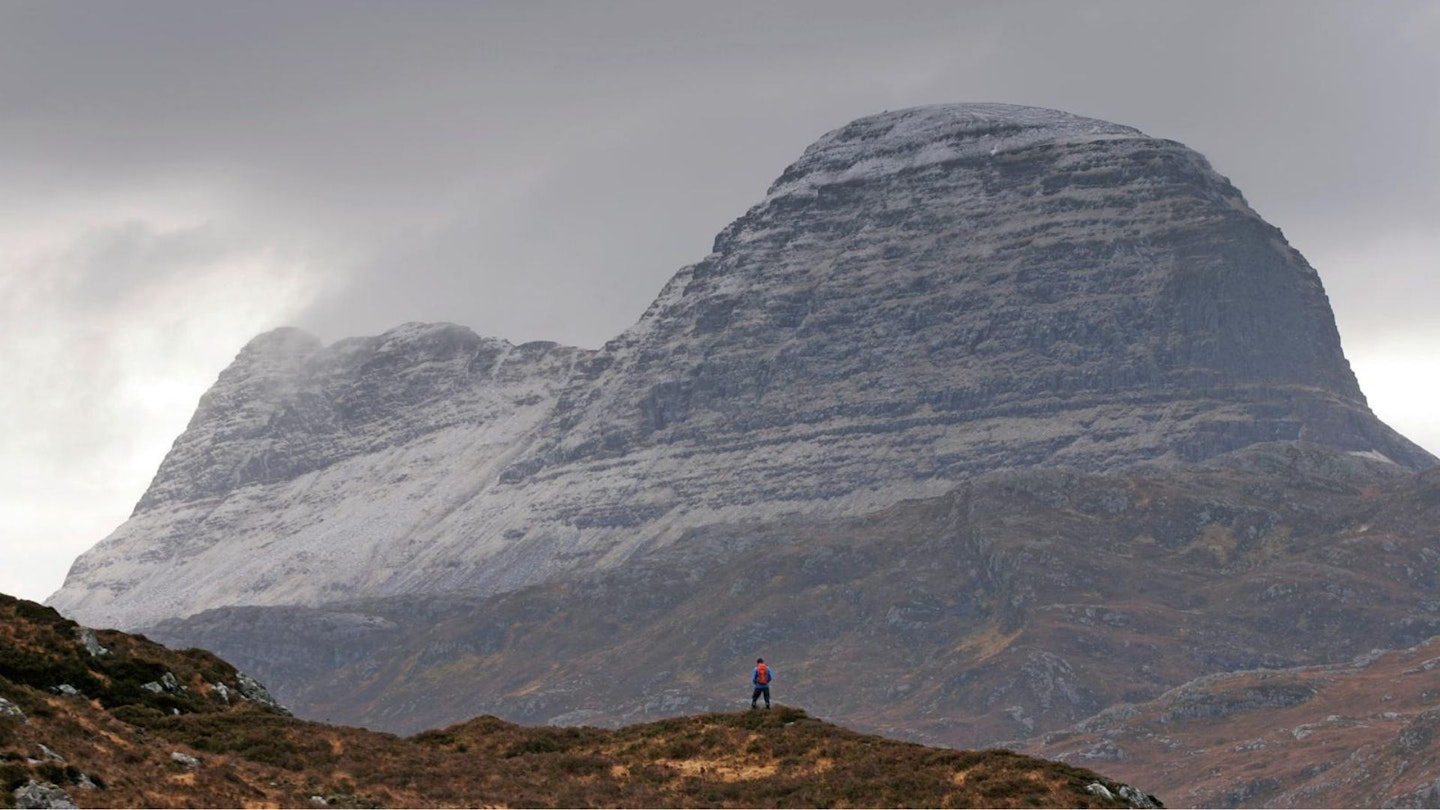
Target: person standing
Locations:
point(761, 677)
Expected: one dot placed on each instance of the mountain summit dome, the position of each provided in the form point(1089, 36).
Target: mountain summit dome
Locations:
point(1069, 290)
point(922, 296)
point(893, 142)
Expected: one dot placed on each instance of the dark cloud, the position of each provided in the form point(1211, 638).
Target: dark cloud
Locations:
point(594, 148)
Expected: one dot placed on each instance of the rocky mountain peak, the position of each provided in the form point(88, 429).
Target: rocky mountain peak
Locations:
point(905, 140)
point(998, 266)
point(923, 296)
point(286, 343)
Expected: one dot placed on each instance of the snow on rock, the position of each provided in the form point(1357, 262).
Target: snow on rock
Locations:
point(890, 143)
point(309, 474)
point(924, 295)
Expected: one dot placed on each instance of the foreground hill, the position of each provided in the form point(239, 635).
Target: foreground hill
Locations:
point(105, 719)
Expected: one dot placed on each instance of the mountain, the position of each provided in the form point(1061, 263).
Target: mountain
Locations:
point(1153, 621)
point(988, 425)
point(106, 719)
point(924, 296)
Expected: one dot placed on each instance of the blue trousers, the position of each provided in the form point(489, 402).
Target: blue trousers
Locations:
point(761, 690)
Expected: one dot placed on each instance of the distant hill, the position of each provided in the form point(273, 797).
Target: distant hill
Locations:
point(1358, 734)
point(106, 719)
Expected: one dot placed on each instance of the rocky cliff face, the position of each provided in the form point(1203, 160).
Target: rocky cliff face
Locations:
point(923, 296)
point(1053, 284)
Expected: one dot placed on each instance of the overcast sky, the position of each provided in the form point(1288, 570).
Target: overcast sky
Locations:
point(177, 177)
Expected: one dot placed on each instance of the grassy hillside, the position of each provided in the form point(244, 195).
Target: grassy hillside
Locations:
point(142, 725)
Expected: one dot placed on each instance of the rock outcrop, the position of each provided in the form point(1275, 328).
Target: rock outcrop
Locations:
point(923, 296)
point(36, 795)
point(8, 709)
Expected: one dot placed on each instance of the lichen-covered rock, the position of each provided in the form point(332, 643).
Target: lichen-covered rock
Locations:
point(1137, 798)
point(254, 691)
point(42, 795)
point(90, 642)
point(924, 295)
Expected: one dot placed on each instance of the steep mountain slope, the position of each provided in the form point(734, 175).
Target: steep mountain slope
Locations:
point(1004, 612)
point(311, 473)
point(191, 738)
point(923, 296)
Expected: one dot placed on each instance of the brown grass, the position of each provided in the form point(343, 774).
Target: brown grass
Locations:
point(1365, 738)
point(122, 738)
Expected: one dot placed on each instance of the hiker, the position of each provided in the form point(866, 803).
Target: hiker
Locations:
point(761, 677)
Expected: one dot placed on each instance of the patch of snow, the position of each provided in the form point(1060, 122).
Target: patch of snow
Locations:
point(904, 140)
point(1373, 455)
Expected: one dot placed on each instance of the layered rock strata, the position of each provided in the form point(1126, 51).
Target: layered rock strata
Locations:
point(310, 473)
point(924, 295)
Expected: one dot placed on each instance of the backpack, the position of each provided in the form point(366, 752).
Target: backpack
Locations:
point(762, 674)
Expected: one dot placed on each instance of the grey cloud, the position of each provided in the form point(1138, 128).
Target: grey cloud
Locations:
point(570, 156)
point(109, 264)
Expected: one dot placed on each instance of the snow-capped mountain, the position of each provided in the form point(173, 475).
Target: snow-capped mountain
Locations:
point(923, 296)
